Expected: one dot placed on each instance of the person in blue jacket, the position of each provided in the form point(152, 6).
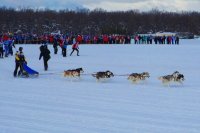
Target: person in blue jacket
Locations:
point(64, 48)
point(8, 47)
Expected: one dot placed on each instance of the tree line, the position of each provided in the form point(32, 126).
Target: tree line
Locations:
point(98, 21)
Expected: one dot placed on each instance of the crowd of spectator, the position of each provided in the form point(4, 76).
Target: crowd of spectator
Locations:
point(29, 38)
point(149, 39)
point(82, 39)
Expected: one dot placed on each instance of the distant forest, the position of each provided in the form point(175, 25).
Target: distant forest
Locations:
point(98, 21)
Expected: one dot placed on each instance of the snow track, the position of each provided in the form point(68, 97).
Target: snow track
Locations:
point(54, 104)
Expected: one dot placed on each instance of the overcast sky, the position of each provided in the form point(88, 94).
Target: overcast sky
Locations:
point(109, 5)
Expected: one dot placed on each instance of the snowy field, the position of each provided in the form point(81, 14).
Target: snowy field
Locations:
point(54, 104)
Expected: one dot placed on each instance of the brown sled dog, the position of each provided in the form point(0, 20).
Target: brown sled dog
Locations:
point(73, 72)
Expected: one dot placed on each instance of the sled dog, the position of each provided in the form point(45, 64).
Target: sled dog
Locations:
point(73, 72)
point(103, 75)
point(174, 77)
point(136, 77)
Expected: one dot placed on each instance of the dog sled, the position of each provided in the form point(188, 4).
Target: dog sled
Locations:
point(28, 72)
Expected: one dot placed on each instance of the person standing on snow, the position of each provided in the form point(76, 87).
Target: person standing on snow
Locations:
point(64, 47)
point(6, 48)
point(19, 60)
point(45, 53)
point(10, 46)
point(1, 49)
point(75, 47)
point(55, 45)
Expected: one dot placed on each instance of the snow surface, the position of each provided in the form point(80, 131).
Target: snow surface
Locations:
point(54, 104)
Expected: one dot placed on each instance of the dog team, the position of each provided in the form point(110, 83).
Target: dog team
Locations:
point(133, 77)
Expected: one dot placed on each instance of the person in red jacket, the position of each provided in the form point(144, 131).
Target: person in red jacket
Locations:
point(75, 47)
point(79, 39)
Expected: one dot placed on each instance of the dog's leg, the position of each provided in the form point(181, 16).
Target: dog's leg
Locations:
point(144, 82)
point(134, 82)
point(165, 84)
point(137, 82)
point(97, 80)
point(181, 83)
point(104, 80)
point(79, 78)
point(71, 79)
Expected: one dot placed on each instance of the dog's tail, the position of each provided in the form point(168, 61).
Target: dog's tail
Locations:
point(64, 73)
point(160, 78)
point(94, 74)
point(129, 77)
